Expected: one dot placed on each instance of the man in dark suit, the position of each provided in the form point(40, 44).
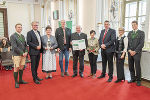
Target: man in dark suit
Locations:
point(63, 36)
point(107, 43)
point(35, 48)
point(78, 35)
point(135, 44)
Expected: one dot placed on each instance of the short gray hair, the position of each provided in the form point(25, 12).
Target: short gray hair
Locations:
point(34, 22)
point(79, 26)
point(62, 20)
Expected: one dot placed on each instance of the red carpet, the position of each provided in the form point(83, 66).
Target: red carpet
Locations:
point(69, 88)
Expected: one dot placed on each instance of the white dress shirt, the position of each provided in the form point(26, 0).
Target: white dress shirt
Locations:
point(38, 37)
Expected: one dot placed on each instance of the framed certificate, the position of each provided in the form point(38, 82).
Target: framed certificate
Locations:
point(78, 44)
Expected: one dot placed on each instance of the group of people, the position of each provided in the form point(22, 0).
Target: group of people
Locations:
point(122, 45)
point(62, 41)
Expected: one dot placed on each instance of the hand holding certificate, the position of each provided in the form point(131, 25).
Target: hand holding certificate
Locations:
point(78, 44)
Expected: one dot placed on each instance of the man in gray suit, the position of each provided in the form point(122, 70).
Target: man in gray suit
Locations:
point(78, 35)
point(136, 43)
point(19, 51)
point(107, 43)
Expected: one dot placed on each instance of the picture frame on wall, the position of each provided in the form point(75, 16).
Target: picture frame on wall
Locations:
point(56, 15)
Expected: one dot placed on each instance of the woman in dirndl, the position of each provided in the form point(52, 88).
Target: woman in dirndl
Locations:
point(49, 58)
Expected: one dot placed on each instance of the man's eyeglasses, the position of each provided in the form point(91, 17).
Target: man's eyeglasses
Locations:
point(35, 25)
point(121, 30)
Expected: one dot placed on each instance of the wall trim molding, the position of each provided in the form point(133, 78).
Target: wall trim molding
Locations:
point(22, 2)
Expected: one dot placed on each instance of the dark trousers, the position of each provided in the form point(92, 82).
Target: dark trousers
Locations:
point(135, 66)
point(107, 57)
point(120, 67)
point(75, 62)
point(93, 62)
point(34, 65)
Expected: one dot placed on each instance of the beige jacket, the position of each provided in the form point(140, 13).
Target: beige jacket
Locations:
point(93, 44)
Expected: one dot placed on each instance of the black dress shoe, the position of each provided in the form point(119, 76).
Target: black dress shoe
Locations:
point(50, 77)
point(117, 81)
point(10, 68)
point(74, 75)
point(37, 82)
point(109, 80)
point(90, 75)
point(39, 79)
point(23, 82)
point(131, 81)
point(138, 83)
point(81, 75)
point(102, 76)
point(16, 85)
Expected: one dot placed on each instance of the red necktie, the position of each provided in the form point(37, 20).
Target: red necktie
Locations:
point(64, 36)
point(104, 35)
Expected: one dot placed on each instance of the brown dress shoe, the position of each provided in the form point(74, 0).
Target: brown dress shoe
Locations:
point(66, 73)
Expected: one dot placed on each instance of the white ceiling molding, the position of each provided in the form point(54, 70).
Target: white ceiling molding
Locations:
point(25, 1)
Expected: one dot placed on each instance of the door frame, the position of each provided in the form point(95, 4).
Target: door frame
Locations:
point(4, 11)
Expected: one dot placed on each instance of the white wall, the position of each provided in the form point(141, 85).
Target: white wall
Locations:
point(18, 13)
point(23, 13)
point(37, 15)
point(87, 13)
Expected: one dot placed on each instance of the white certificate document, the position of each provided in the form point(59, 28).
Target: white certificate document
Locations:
point(78, 44)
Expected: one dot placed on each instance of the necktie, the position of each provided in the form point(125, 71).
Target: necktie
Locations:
point(64, 36)
point(104, 35)
point(134, 34)
point(38, 37)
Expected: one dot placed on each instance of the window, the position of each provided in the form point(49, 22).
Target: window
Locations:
point(142, 13)
point(134, 10)
point(3, 23)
